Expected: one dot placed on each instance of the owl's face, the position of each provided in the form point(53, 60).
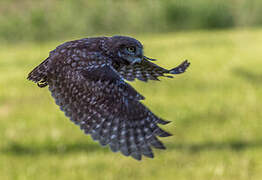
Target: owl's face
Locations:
point(128, 49)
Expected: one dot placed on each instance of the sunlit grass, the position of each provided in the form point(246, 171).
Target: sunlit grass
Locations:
point(215, 108)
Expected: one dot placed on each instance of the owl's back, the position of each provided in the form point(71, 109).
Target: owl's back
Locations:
point(66, 54)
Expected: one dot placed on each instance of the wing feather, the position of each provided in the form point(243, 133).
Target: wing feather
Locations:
point(147, 70)
point(108, 109)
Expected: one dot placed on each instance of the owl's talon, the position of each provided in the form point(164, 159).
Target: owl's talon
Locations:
point(42, 83)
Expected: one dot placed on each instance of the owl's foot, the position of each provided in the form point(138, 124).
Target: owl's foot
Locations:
point(42, 83)
point(181, 68)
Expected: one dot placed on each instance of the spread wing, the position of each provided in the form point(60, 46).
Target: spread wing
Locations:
point(103, 105)
point(147, 70)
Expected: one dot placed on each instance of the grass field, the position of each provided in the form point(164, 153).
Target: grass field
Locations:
point(215, 108)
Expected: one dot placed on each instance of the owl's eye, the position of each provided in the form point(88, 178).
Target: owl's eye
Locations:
point(131, 49)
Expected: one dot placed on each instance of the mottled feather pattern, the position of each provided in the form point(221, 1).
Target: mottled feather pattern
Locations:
point(39, 74)
point(91, 90)
point(147, 70)
point(180, 68)
point(108, 118)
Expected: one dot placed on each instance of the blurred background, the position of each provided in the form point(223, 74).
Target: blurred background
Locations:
point(215, 107)
point(52, 19)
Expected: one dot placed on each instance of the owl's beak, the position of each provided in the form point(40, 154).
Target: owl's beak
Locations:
point(139, 59)
point(136, 60)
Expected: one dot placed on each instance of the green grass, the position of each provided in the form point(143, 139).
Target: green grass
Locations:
point(31, 20)
point(215, 108)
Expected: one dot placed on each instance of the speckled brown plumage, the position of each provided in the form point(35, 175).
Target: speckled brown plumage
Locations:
point(87, 77)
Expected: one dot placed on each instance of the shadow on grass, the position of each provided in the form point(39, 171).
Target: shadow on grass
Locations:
point(252, 77)
point(15, 148)
point(237, 145)
point(34, 150)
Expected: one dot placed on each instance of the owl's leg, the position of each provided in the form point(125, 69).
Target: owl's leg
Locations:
point(181, 68)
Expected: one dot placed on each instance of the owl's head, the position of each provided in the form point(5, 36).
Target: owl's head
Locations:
point(127, 49)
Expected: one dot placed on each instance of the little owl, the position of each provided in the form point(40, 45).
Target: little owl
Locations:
point(86, 78)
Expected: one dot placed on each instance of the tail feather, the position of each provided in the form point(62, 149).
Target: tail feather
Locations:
point(39, 74)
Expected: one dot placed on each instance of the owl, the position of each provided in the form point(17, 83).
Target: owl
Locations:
point(87, 78)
